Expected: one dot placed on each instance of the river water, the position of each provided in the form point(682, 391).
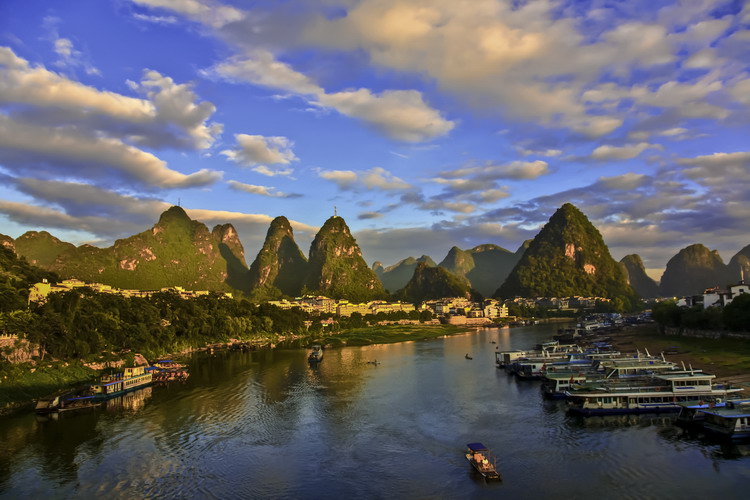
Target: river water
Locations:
point(266, 424)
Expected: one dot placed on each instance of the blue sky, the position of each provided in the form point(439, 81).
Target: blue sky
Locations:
point(427, 123)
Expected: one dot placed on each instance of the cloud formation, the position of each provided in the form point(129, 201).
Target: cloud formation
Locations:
point(254, 150)
point(400, 114)
point(261, 190)
point(376, 178)
point(53, 125)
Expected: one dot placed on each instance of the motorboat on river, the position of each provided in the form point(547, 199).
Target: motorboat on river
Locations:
point(482, 459)
point(316, 355)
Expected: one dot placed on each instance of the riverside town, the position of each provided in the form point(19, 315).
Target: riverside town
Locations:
point(366, 249)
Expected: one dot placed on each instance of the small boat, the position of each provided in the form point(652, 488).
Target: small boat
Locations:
point(48, 405)
point(482, 459)
point(316, 355)
point(467, 356)
point(375, 362)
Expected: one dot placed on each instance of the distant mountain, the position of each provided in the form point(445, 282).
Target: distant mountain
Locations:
point(336, 267)
point(41, 248)
point(280, 267)
point(635, 272)
point(433, 283)
point(7, 242)
point(740, 262)
point(231, 249)
point(692, 270)
point(568, 257)
point(177, 251)
point(398, 275)
point(485, 266)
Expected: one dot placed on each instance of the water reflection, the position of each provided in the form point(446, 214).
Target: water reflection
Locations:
point(267, 424)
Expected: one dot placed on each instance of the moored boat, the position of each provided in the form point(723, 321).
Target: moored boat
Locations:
point(661, 393)
point(119, 383)
point(482, 459)
point(732, 421)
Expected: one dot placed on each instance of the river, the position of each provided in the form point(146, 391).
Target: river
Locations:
point(266, 424)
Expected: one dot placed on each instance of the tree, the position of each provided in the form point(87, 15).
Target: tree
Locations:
point(737, 313)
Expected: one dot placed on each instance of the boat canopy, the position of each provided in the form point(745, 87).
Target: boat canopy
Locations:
point(477, 447)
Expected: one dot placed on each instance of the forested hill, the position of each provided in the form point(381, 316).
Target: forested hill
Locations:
point(16, 277)
point(568, 257)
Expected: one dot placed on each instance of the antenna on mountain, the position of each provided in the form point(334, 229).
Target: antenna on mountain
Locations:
point(178, 202)
point(334, 211)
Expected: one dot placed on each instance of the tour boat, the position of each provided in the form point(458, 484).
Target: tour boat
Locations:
point(663, 393)
point(119, 383)
point(482, 459)
point(731, 421)
point(316, 355)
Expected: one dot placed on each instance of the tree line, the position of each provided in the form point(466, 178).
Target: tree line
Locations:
point(735, 316)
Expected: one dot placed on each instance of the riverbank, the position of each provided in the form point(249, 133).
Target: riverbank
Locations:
point(21, 384)
point(728, 359)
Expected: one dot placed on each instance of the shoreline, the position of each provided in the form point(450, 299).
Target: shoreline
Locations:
point(352, 338)
point(728, 359)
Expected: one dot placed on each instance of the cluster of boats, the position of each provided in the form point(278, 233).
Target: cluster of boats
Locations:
point(598, 380)
point(112, 385)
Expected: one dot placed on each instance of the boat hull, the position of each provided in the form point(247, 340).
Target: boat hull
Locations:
point(588, 412)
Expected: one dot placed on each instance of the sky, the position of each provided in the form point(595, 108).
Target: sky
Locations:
point(424, 123)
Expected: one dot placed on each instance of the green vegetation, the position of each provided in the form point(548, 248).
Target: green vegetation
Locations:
point(280, 267)
point(692, 270)
point(433, 283)
point(41, 248)
point(177, 251)
point(82, 324)
point(637, 277)
point(398, 275)
point(734, 317)
point(726, 355)
point(485, 266)
point(390, 334)
point(568, 257)
point(16, 276)
point(336, 267)
point(27, 381)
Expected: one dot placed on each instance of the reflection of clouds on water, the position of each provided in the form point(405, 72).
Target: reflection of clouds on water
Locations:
point(266, 425)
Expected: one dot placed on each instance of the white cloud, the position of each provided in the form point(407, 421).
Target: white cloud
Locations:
point(375, 178)
point(545, 152)
point(59, 151)
point(208, 12)
point(276, 171)
point(380, 178)
point(400, 114)
point(627, 152)
point(171, 116)
point(718, 169)
point(624, 182)
point(345, 179)
point(516, 170)
point(260, 190)
point(673, 131)
point(256, 149)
